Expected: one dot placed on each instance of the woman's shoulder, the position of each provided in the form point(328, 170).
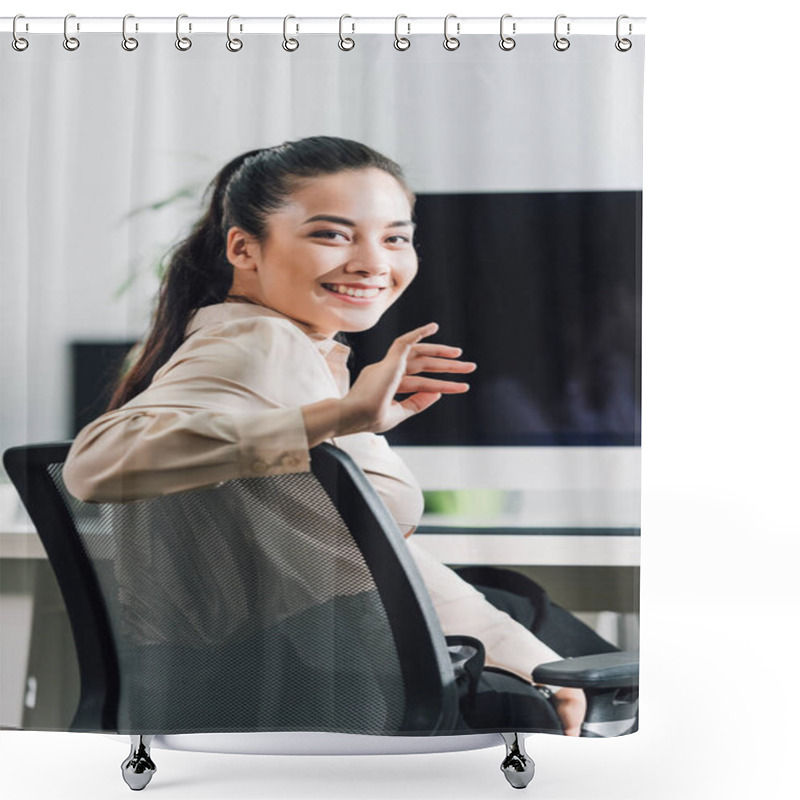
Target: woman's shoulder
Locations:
point(228, 330)
point(233, 346)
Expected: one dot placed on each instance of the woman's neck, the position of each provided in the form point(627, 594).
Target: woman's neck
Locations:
point(240, 298)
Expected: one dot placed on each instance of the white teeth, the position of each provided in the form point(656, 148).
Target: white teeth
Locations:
point(354, 292)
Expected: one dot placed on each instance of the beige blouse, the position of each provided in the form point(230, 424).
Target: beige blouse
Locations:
point(225, 406)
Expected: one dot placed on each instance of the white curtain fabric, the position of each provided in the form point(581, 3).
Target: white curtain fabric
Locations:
point(105, 154)
point(90, 136)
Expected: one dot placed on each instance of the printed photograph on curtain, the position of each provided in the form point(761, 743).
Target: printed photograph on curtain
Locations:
point(321, 386)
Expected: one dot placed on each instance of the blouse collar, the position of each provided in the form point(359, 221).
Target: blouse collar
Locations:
point(220, 312)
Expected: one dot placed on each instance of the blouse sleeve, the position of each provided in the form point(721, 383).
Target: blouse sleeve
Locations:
point(207, 417)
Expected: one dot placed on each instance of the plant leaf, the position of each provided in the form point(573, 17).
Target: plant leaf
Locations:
point(185, 193)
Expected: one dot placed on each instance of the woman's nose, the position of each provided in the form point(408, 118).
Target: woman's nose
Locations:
point(372, 267)
point(370, 258)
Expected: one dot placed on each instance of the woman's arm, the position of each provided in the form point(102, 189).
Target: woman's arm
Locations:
point(327, 418)
point(222, 407)
point(226, 405)
point(145, 451)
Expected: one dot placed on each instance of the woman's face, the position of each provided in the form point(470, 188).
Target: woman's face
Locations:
point(339, 237)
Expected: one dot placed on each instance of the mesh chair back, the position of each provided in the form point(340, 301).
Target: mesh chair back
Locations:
point(283, 603)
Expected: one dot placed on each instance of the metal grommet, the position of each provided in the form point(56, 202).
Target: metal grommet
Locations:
point(182, 42)
point(234, 45)
point(345, 42)
point(128, 42)
point(561, 43)
point(18, 43)
point(289, 44)
point(400, 42)
point(623, 45)
point(506, 42)
point(451, 42)
point(70, 42)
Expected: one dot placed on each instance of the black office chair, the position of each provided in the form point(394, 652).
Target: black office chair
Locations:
point(279, 604)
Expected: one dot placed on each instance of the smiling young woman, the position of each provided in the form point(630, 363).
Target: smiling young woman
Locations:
point(244, 369)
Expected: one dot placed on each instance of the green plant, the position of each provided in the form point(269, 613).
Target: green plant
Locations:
point(190, 192)
point(465, 502)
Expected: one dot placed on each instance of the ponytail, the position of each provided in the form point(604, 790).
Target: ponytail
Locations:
point(198, 275)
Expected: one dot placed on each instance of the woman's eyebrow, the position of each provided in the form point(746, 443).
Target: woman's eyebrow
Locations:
point(350, 223)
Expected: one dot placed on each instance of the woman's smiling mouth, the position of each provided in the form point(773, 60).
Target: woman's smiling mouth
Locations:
point(354, 293)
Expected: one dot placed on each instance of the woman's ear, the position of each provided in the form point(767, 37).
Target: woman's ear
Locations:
point(241, 249)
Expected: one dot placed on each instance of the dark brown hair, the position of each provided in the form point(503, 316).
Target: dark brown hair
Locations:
point(243, 194)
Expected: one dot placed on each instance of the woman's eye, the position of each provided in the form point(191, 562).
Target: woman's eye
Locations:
point(327, 234)
point(330, 235)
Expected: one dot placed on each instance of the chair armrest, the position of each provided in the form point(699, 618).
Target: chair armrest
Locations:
point(601, 671)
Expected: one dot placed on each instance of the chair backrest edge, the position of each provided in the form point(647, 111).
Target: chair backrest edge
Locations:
point(97, 657)
point(433, 702)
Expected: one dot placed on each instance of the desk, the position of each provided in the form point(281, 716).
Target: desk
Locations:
point(566, 506)
point(587, 547)
point(545, 547)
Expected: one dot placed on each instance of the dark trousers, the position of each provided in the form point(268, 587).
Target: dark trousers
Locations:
point(528, 603)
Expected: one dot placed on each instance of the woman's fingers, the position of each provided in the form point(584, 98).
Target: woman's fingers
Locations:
point(408, 340)
point(416, 365)
point(433, 349)
point(430, 357)
point(378, 383)
point(411, 383)
point(418, 402)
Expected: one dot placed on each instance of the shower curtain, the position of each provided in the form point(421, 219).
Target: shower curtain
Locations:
point(526, 159)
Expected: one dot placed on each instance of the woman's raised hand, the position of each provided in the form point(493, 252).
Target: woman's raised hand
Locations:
point(371, 404)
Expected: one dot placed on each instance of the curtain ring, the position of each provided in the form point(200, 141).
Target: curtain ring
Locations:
point(400, 42)
point(70, 42)
point(18, 43)
point(451, 42)
point(289, 44)
point(507, 42)
point(345, 42)
point(234, 45)
point(561, 43)
point(128, 42)
point(182, 42)
point(623, 45)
